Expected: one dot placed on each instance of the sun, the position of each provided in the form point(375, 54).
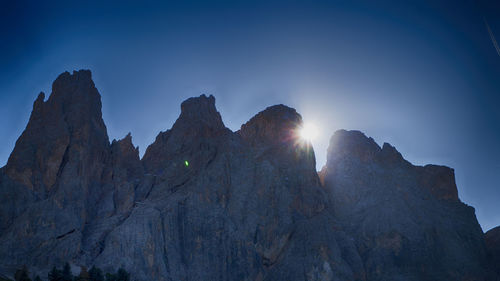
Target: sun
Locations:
point(308, 132)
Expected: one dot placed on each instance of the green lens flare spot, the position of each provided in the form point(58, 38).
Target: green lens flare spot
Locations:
point(186, 163)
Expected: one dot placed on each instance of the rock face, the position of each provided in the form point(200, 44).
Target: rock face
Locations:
point(407, 221)
point(206, 203)
point(492, 239)
point(63, 179)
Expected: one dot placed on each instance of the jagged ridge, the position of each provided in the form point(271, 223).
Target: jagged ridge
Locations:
point(249, 206)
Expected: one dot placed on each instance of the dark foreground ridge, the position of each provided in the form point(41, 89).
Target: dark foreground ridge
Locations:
point(206, 203)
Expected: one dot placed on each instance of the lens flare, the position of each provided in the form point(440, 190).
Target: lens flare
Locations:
point(308, 132)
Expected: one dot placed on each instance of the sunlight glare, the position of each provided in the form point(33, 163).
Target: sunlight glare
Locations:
point(308, 132)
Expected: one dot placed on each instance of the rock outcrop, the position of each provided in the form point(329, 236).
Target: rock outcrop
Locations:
point(206, 203)
point(220, 209)
point(407, 221)
point(492, 239)
point(63, 178)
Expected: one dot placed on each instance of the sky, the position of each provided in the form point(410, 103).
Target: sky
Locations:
point(423, 76)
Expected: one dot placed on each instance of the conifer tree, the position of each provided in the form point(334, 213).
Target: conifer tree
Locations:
point(66, 273)
point(84, 275)
point(55, 274)
point(110, 277)
point(22, 274)
point(95, 274)
point(122, 275)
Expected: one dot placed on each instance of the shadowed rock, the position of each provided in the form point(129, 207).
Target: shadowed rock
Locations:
point(199, 124)
point(206, 203)
point(407, 221)
point(492, 239)
point(61, 178)
point(275, 125)
point(67, 125)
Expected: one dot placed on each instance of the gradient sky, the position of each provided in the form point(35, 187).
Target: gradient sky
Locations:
point(421, 75)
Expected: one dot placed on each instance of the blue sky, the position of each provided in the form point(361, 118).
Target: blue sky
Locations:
point(421, 75)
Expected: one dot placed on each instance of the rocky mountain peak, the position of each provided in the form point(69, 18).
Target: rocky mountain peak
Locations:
point(125, 157)
point(492, 240)
point(356, 148)
point(199, 122)
point(276, 124)
point(392, 207)
point(65, 78)
point(439, 180)
point(492, 236)
point(69, 122)
point(125, 147)
point(390, 155)
point(72, 87)
point(201, 113)
point(77, 98)
point(352, 144)
point(201, 106)
point(209, 204)
point(39, 101)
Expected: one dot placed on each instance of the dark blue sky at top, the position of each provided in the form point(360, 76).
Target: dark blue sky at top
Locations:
point(421, 75)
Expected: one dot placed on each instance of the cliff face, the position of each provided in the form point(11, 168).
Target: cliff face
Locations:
point(206, 203)
point(64, 178)
point(492, 239)
point(407, 221)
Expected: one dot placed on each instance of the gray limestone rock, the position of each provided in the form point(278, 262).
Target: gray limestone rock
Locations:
point(206, 203)
point(62, 177)
point(407, 221)
point(492, 239)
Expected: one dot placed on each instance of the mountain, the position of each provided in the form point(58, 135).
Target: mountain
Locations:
point(206, 203)
point(407, 221)
point(492, 239)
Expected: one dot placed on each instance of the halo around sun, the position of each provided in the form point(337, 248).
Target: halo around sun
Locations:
point(308, 132)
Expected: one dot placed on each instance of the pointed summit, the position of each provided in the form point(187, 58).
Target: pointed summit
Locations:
point(199, 122)
point(276, 131)
point(77, 98)
point(125, 148)
point(208, 204)
point(125, 159)
point(390, 154)
point(276, 124)
point(352, 144)
point(200, 108)
point(68, 126)
point(439, 181)
point(199, 113)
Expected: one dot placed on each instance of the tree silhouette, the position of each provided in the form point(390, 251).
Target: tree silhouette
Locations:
point(122, 275)
point(110, 277)
point(66, 273)
point(84, 275)
point(55, 274)
point(95, 274)
point(22, 274)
